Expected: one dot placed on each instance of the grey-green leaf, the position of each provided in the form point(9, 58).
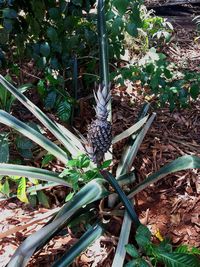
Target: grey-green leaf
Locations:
point(4, 148)
point(31, 172)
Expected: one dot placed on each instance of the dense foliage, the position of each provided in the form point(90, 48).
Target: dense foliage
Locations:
point(61, 38)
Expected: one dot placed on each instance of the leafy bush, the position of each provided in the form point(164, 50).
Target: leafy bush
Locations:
point(162, 81)
point(149, 253)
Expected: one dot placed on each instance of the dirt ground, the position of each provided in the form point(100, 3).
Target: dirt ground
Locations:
point(172, 205)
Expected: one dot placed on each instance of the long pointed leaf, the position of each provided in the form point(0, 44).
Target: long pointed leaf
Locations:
point(130, 130)
point(49, 124)
point(103, 44)
point(86, 239)
point(179, 164)
point(130, 153)
point(123, 240)
point(31, 172)
point(91, 192)
point(77, 146)
point(32, 134)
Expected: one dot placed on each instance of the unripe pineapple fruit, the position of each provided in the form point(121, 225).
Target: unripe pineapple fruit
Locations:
point(99, 136)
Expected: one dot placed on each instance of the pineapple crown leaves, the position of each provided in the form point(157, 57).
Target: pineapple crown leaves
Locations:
point(102, 98)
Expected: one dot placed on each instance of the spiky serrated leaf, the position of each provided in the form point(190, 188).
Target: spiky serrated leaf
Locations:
point(128, 205)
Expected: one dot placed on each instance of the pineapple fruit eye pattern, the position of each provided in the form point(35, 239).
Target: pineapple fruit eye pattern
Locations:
point(99, 136)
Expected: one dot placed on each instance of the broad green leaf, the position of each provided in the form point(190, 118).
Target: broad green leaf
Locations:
point(121, 5)
point(47, 158)
point(9, 13)
point(21, 190)
point(106, 164)
point(143, 236)
point(43, 199)
point(130, 130)
point(50, 100)
point(132, 29)
point(54, 13)
point(32, 134)
point(23, 142)
point(45, 49)
point(142, 263)
point(69, 196)
point(194, 91)
point(5, 188)
point(4, 148)
point(179, 164)
point(82, 244)
point(77, 2)
point(132, 263)
point(64, 110)
point(83, 161)
point(26, 153)
point(52, 34)
point(31, 172)
point(137, 263)
point(132, 251)
point(179, 260)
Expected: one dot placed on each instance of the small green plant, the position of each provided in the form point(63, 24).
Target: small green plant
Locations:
point(78, 173)
point(55, 97)
point(146, 253)
point(156, 31)
point(7, 99)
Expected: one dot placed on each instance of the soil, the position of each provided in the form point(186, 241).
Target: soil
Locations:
point(170, 206)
